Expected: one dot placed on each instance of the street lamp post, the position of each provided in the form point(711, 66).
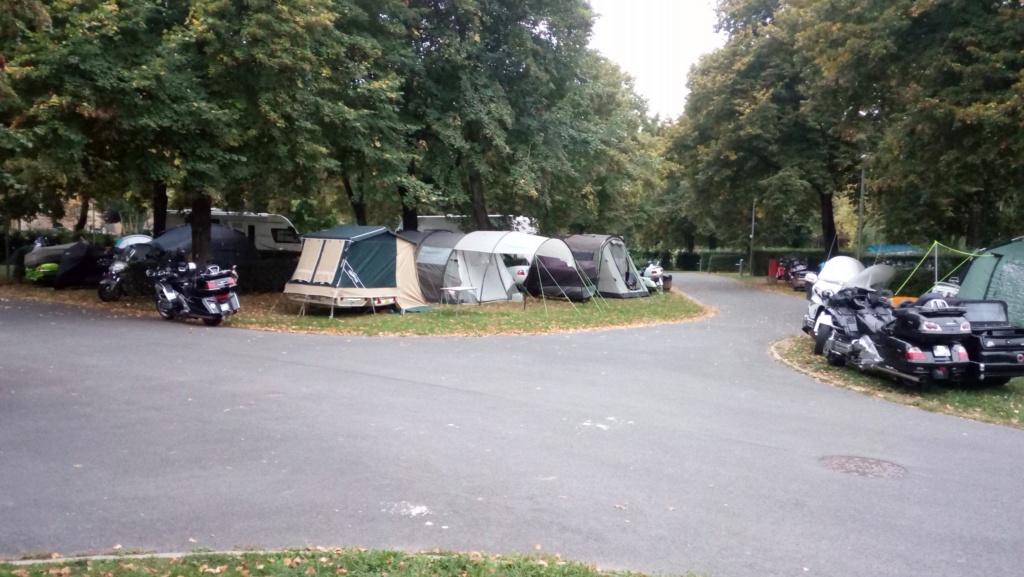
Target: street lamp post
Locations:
point(860, 213)
point(753, 207)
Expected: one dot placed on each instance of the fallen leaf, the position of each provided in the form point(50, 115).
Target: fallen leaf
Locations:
point(341, 571)
point(20, 573)
point(623, 507)
point(537, 547)
point(191, 540)
point(116, 547)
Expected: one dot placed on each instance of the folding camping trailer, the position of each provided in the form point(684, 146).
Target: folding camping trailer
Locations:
point(356, 266)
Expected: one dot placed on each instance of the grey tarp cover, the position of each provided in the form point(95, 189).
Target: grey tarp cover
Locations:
point(228, 247)
point(433, 249)
point(78, 266)
point(605, 260)
point(46, 254)
point(998, 277)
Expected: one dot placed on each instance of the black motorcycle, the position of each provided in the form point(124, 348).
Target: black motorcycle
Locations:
point(184, 292)
point(917, 344)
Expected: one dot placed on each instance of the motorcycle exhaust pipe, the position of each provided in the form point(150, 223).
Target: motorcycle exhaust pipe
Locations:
point(893, 373)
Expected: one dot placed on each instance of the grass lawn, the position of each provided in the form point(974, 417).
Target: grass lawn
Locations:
point(318, 562)
point(274, 313)
point(999, 405)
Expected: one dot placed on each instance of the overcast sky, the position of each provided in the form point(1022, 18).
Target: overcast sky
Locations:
point(656, 42)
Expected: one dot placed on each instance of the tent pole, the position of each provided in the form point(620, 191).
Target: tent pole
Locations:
point(936, 262)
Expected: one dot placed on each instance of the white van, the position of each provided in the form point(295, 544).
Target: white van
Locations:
point(268, 232)
point(457, 222)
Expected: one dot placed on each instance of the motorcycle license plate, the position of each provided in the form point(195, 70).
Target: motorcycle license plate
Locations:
point(225, 307)
point(940, 351)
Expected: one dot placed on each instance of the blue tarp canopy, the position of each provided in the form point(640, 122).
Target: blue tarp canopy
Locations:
point(894, 250)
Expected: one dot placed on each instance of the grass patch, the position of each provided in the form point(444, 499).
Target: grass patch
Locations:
point(273, 313)
point(319, 562)
point(998, 405)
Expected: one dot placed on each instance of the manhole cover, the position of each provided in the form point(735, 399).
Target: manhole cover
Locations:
point(863, 467)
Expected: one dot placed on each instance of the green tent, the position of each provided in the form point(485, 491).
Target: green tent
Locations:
point(998, 275)
point(354, 266)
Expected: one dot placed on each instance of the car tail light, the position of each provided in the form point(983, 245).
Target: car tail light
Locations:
point(1020, 358)
point(223, 297)
point(960, 352)
point(210, 285)
point(965, 326)
point(914, 354)
point(521, 272)
point(931, 327)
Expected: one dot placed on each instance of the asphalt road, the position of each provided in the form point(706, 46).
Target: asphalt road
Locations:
point(664, 449)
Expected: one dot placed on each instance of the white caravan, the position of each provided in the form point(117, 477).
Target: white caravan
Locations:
point(267, 232)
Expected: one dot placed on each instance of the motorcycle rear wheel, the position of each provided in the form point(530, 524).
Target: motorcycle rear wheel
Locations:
point(167, 316)
point(213, 322)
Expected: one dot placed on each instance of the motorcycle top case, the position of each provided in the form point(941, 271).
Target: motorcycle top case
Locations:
point(931, 326)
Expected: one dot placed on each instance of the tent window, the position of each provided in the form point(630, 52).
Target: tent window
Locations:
point(327, 268)
point(307, 262)
point(433, 255)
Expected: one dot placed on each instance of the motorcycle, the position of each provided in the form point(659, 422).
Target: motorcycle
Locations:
point(792, 270)
point(652, 276)
point(833, 275)
point(185, 292)
point(919, 343)
point(116, 281)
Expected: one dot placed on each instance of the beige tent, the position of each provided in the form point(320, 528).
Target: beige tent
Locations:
point(356, 266)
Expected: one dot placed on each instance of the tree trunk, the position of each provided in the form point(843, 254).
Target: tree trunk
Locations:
point(159, 207)
point(691, 242)
point(410, 214)
point(201, 245)
point(476, 197)
point(357, 204)
point(83, 215)
point(828, 223)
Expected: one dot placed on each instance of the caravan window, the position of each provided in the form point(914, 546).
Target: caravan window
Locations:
point(285, 235)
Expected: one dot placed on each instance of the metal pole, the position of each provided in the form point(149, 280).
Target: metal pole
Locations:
point(750, 265)
point(860, 216)
point(936, 262)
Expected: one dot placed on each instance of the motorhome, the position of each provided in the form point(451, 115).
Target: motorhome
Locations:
point(462, 223)
point(267, 232)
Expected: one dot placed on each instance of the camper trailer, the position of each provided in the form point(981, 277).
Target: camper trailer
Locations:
point(267, 232)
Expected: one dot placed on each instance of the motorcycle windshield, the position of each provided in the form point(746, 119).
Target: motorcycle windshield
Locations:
point(840, 269)
point(874, 278)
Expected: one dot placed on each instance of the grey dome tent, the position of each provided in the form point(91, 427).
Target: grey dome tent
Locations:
point(606, 262)
point(998, 274)
point(352, 266)
point(433, 249)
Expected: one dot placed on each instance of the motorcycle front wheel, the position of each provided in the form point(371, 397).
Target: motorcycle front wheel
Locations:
point(822, 335)
point(109, 292)
point(213, 322)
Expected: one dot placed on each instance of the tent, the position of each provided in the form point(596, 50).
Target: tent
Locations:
point(998, 277)
point(478, 261)
point(79, 266)
point(349, 266)
point(228, 247)
point(433, 249)
point(606, 262)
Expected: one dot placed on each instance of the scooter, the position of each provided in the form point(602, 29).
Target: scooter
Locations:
point(185, 292)
point(916, 344)
point(652, 275)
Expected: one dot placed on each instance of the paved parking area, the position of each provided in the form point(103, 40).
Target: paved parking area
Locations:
point(663, 449)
